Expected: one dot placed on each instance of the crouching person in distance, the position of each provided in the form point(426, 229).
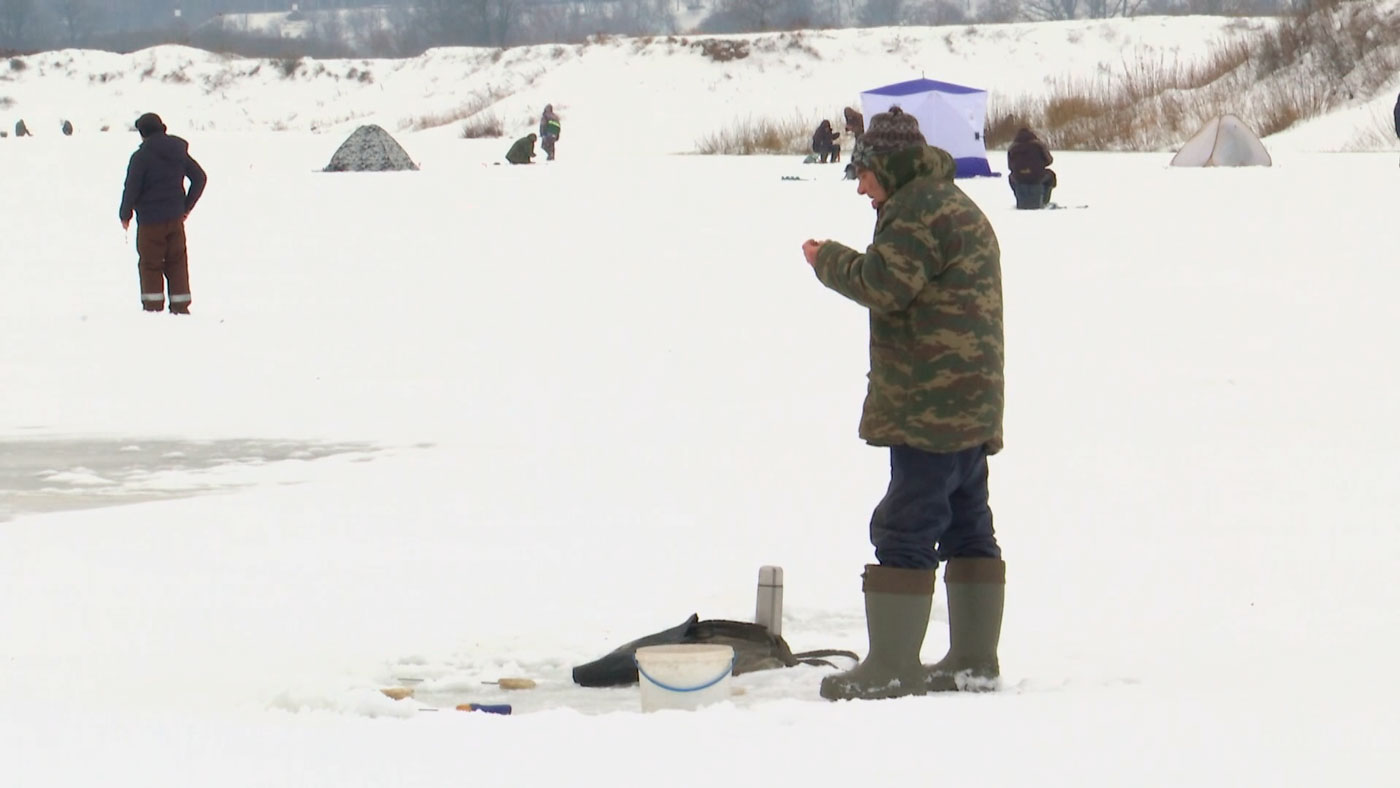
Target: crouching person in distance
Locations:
point(522, 151)
point(931, 279)
point(1031, 178)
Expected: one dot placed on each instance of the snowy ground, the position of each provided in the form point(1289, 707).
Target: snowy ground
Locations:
point(581, 402)
point(481, 421)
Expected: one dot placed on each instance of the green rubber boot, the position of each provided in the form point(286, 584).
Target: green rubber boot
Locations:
point(976, 595)
point(897, 603)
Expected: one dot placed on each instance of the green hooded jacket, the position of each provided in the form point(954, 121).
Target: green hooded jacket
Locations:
point(523, 151)
point(931, 279)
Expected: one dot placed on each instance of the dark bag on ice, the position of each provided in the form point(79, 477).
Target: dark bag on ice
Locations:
point(755, 648)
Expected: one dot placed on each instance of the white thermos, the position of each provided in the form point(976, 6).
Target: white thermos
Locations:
point(769, 612)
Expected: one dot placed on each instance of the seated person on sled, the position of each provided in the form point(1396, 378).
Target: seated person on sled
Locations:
point(1031, 178)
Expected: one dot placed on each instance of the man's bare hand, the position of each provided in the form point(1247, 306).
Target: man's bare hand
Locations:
point(810, 249)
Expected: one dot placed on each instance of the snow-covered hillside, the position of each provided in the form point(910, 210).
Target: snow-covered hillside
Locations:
point(619, 95)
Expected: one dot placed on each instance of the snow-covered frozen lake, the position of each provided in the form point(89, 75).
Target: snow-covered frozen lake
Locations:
point(564, 406)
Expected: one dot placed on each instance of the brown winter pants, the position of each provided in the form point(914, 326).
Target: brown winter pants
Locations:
point(161, 248)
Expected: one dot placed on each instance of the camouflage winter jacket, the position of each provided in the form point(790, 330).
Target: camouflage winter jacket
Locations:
point(931, 279)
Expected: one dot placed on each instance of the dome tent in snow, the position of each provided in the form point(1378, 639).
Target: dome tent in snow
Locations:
point(1223, 142)
point(951, 117)
point(370, 149)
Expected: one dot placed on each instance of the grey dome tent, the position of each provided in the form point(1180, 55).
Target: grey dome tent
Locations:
point(1223, 142)
point(370, 149)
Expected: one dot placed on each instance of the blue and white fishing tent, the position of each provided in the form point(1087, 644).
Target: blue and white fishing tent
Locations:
point(951, 117)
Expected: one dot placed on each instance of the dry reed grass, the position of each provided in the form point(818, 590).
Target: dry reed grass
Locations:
point(791, 135)
point(1275, 77)
point(479, 126)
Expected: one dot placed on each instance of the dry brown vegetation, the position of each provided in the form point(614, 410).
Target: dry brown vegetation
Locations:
point(287, 66)
point(761, 136)
point(722, 50)
point(789, 42)
point(478, 102)
point(1299, 68)
point(479, 126)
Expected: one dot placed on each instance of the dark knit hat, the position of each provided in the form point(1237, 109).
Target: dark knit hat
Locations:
point(149, 124)
point(888, 132)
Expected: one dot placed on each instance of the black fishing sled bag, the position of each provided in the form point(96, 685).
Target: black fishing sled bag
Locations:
point(755, 648)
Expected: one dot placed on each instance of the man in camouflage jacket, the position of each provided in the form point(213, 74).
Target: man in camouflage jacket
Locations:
point(931, 279)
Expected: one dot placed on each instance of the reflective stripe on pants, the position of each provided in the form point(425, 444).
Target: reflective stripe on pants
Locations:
point(163, 260)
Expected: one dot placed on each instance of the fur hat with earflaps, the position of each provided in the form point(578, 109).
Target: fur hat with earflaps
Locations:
point(888, 132)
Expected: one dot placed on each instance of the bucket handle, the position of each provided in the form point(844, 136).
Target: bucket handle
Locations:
point(717, 679)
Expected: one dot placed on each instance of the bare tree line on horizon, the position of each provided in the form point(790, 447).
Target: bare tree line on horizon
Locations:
point(399, 28)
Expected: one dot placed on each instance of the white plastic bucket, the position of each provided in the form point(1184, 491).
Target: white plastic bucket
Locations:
point(684, 675)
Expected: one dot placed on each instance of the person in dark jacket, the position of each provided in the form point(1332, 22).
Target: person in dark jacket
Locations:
point(22, 130)
point(1397, 116)
point(155, 193)
point(1031, 178)
point(855, 124)
point(66, 128)
point(549, 131)
point(523, 151)
point(824, 142)
point(931, 281)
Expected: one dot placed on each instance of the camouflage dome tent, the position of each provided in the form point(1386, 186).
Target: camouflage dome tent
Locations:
point(370, 149)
